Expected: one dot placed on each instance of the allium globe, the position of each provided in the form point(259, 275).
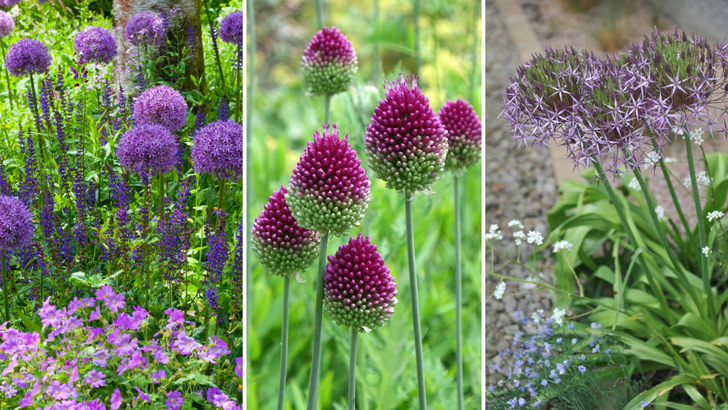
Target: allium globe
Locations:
point(16, 224)
point(328, 190)
point(161, 105)
point(463, 135)
point(27, 56)
point(283, 247)
point(148, 148)
point(405, 142)
point(95, 44)
point(231, 28)
point(329, 63)
point(359, 292)
point(218, 150)
point(6, 24)
point(145, 29)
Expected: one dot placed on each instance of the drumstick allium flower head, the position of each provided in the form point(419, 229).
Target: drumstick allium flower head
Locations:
point(16, 224)
point(405, 141)
point(328, 190)
point(463, 135)
point(329, 63)
point(283, 247)
point(359, 292)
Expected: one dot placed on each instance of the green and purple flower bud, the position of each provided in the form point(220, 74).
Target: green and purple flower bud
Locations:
point(463, 135)
point(328, 190)
point(359, 292)
point(329, 63)
point(405, 142)
point(281, 245)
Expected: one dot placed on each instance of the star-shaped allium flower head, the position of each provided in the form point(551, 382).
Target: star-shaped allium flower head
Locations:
point(463, 135)
point(328, 190)
point(405, 142)
point(329, 63)
point(283, 247)
point(359, 292)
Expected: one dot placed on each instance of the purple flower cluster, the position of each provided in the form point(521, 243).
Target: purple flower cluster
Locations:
point(608, 109)
point(80, 378)
point(218, 150)
point(6, 24)
point(359, 292)
point(283, 247)
point(161, 105)
point(405, 142)
point(16, 224)
point(329, 190)
point(231, 28)
point(148, 148)
point(27, 56)
point(329, 63)
point(95, 44)
point(145, 29)
point(463, 135)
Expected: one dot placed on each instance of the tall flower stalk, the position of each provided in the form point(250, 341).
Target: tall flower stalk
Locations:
point(409, 156)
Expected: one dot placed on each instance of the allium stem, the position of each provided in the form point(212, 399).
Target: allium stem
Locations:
point(415, 302)
point(5, 285)
point(217, 53)
point(313, 384)
point(320, 14)
point(701, 225)
point(458, 296)
point(352, 370)
point(673, 195)
point(221, 196)
point(7, 76)
point(418, 60)
point(327, 108)
point(284, 344)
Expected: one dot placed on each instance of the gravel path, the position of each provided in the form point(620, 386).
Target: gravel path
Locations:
point(520, 184)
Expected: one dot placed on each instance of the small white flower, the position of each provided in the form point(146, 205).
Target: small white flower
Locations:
point(660, 211)
point(558, 316)
point(634, 184)
point(653, 158)
point(493, 234)
point(669, 160)
point(677, 131)
point(706, 251)
point(696, 136)
point(516, 223)
point(686, 182)
point(702, 178)
point(715, 215)
point(519, 236)
point(535, 237)
point(500, 290)
point(536, 316)
point(562, 245)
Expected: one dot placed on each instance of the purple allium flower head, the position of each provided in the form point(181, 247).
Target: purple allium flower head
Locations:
point(359, 292)
point(161, 105)
point(27, 56)
point(231, 28)
point(329, 63)
point(283, 247)
point(16, 224)
point(328, 190)
point(218, 150)
point(463, 135)
point(145, 29)
point(405, 142)
point(10, 3)
point(148, 148)
point(95, 44)
point(6, 24)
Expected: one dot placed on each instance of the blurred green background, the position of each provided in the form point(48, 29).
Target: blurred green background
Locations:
point(284, 120)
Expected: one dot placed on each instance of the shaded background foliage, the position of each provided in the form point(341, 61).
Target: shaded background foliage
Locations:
point(284, 120)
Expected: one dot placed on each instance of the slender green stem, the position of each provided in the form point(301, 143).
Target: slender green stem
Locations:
point(375, 56)
point(418, 59)
point(415, 302)
point(352, 370)
point(217, 53)
point(628, 230)
point(675, 201)
point(320, 14)
point(284, 344)
point(327, 108)
point(313, 384)
point(7, 77)
point(701, 225)
point(5, 285)
point(221, 195)
point(458, 296)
